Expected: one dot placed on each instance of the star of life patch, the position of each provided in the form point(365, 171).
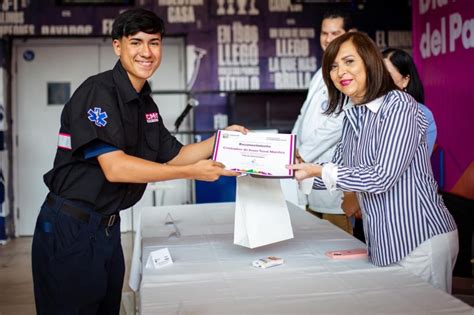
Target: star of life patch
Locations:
point(97, 116)
point(64, 141)
point(151, 117)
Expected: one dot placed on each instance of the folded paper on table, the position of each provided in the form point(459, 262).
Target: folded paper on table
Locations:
point(159, 259)
point(261, 213)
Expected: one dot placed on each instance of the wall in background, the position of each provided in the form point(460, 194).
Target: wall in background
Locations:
point(443, 37)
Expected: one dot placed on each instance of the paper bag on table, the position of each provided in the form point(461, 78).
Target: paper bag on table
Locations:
point(261, 213)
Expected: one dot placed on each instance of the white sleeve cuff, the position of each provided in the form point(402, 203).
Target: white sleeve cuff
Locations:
point(329, 176)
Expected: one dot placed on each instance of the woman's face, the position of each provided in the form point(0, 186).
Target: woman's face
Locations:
point(397, 77)
point(348, 72)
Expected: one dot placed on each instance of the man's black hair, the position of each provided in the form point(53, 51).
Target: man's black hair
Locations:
point(335, 13)
point(137, 20)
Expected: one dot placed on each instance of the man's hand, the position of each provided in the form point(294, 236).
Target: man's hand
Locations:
point(305, 170)
point(350, 205)
point(209, 170)
point(237, 128)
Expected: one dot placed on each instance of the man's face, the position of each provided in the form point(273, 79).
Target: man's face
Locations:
point(331, 29)
point(140, 55)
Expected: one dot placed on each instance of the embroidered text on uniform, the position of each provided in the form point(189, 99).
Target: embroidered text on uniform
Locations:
point(151, 117)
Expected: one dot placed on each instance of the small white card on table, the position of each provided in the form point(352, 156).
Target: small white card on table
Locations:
point(159, 258)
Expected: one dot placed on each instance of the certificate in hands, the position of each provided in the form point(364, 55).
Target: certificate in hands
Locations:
point(260, 154)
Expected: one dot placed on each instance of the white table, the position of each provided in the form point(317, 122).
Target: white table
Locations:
point(211, 275)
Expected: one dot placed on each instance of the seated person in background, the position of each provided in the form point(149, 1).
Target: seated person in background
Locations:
point(403, 71)
point(383, 157)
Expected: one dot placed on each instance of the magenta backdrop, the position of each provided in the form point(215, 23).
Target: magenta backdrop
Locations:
point(443, 49)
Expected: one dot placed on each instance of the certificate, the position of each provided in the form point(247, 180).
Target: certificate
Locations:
point(260, 154)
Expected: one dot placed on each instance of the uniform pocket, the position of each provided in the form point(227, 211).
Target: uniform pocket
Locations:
point(70, 236)
point(74, 265)
point(44, 231)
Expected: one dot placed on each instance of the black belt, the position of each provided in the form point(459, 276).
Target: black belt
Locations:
point(79, 213)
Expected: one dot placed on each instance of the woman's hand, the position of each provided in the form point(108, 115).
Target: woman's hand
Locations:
point(350, 205)
point(298, 157)
point(305, 170)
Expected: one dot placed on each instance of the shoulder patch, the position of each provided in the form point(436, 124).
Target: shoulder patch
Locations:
point(64, 141)
point(97, 116)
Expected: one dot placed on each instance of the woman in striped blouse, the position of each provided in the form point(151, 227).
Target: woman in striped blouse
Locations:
point(383, 157)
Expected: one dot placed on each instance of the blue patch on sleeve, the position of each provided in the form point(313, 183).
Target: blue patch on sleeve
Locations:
point(96, 149)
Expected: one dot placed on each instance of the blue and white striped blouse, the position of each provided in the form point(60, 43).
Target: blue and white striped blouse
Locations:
point(383, 156)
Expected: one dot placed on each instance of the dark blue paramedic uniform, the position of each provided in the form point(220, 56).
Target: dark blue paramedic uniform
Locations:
point(77, 258)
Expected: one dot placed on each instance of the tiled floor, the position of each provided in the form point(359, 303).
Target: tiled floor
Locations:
point(16, 290)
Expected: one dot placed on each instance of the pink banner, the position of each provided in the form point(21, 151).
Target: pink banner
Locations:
point(443, 49)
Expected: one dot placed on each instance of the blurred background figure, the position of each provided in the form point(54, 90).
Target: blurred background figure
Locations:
point(317, 133)
point(403, 72)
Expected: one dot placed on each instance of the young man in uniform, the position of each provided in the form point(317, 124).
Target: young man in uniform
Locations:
point(318, 133)
point(112, 142)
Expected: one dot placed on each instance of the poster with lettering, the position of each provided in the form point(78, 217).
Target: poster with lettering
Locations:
point(237, 38)
point(293, 63)
point(232, 45)
point(256, 53)
point(183, 16)
point(443, 33)
point(291, 43)
point(238, 56)
point(14, 19)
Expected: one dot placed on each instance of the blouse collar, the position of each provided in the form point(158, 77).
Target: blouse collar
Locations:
point(375, 105)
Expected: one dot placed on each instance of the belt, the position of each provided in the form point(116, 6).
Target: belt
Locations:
point(81, 214)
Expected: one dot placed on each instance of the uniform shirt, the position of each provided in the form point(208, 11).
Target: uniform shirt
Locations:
point(317, 135)
point(107, 109)
point(383, 156)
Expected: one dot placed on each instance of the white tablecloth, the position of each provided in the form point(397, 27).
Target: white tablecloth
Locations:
point(211, 275)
